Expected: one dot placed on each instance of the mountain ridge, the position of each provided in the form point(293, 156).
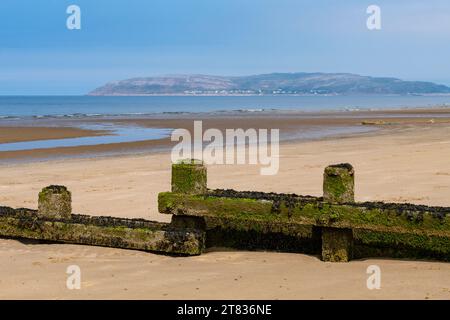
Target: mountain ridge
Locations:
point(271, 83)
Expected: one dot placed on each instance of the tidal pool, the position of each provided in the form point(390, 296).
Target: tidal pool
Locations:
point(114, 134)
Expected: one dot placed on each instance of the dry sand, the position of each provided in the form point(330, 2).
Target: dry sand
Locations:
point(408, 164)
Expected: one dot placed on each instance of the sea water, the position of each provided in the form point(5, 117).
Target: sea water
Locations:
point(38, 107)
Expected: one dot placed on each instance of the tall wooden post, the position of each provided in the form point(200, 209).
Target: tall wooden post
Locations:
point(189, 176)
point(338, 188)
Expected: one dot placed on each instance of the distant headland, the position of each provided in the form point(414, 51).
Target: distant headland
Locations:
point(300, 83)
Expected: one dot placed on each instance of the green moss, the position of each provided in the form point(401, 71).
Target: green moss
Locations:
point(189, 176)
point(173, 241)
point(314, 212)
point(369, 243)
point(339, 183)
point(196, 205)
point(165, 203)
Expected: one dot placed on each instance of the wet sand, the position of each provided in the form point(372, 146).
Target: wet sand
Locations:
point(289, 124)
point(405, 162)
point(23, 133)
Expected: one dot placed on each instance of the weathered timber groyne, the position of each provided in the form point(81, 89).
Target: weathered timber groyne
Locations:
point(54, 221)
point(333, 226)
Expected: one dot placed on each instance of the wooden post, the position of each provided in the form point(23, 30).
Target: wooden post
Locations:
point(339, 183)
point(55, 202)
point(337, 244)
point(189, 176)
point(338, 188)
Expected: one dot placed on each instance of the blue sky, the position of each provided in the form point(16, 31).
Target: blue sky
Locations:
point(127, 38)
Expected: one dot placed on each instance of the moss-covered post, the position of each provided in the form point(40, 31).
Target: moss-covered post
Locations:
point(339, 183)
point(189, 176)
point(55, 202)
point(338, 188)
point(337, 244)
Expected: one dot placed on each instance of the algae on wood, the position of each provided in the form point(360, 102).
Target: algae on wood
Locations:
point(55, 202)
point(339, 183)
point(337, 245)
point(189, 176)
point(135, 234)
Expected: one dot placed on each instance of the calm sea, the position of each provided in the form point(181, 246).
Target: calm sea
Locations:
point(86, 106)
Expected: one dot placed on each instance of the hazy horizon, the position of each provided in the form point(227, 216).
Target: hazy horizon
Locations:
point(122, 39)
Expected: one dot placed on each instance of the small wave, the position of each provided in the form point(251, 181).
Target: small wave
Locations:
point(79, 115)
point(250, 110)
point(8, 117)
point(137, 114)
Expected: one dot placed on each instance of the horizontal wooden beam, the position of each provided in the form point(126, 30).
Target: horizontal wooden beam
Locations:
point(297, 210)
point(135, 234)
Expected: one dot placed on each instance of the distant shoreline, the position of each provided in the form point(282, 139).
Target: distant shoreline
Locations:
point(208, 95)
point(270, 83)
point(262, 95)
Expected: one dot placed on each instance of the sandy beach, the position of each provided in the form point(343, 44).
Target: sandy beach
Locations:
point(225, 150)
point(403, 162)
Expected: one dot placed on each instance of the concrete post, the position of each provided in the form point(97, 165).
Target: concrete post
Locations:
point(55, 202)
point(189, 176)
point(339, 183)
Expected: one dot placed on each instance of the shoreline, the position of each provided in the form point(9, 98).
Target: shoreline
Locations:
point(294, 127)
